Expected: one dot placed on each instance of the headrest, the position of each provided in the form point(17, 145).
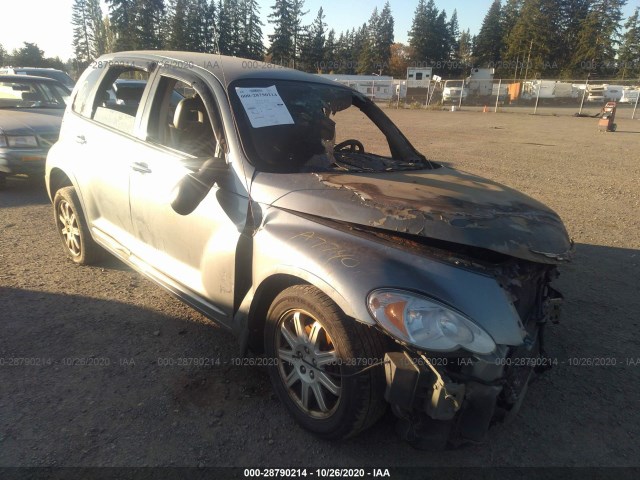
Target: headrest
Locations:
point(189, 110)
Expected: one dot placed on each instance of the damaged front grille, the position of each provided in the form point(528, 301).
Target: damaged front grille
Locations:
point(536, 303)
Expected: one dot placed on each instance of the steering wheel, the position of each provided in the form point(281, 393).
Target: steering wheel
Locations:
point(351, 146)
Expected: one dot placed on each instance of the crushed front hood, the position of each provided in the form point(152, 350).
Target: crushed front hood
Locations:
point(442, 204)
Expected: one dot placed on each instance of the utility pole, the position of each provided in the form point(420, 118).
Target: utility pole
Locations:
point(526, 72)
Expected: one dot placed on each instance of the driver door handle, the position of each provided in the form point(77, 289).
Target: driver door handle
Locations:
point(141, 167)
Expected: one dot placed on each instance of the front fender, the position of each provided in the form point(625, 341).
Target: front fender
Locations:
point(347, 267)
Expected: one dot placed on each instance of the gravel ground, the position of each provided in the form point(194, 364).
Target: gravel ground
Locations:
point(127, 408)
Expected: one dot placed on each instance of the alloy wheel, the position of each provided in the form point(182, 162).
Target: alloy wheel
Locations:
point(308, 364)
point(68, 225)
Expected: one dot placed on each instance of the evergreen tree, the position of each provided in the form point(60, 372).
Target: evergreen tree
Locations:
point(384, 36)
point(224, 44)
point(536, 38)
point(465, 50)
point(282, 49)
point(296, 18)
point(510, 15)
point(4, 56)
point(29, 56)
point(122, 20)
point(235, 18)
point(89, 34)
point(629, 53)
point(287, 20)
point(110, 38)
point(330, 51)
point(454, 34)
point(82, 38)
point(359, 42)
point(573, 13)
point(342, 53)
point(368, 59)
point(312, 51)
point(208, 25)
point(422, 36)
point(97, 27)
point(488, 44)
point(252, 46)
point(598, 37)
point(445, 43)
point(176, 34)
point(199, 26)
point(147, 24)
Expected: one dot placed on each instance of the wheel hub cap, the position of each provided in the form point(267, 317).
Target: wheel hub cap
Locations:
point(308, 364)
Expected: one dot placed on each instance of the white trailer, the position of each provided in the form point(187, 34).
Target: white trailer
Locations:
point(419, 77)
point(613, 93)
point(373, 86)
point(629, 95)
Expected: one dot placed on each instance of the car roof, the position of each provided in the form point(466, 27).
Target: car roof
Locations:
point(32, 79)
point(28, 78)
point(225, 69)
point(35, 68)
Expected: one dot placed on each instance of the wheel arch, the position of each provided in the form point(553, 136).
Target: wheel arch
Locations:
point(58, 179)
point(270, 287)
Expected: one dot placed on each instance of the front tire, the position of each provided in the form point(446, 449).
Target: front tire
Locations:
point(71, 225)
point(318, 359)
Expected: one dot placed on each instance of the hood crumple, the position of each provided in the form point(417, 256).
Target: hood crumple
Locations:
point(442, 204)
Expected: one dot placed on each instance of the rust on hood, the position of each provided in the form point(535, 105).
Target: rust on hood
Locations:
point(450, 205)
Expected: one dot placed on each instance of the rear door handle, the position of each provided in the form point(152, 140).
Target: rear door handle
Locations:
point(81, 139)
point(140, 167)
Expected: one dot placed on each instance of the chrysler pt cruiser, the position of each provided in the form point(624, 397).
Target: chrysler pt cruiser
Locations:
point(291, 210)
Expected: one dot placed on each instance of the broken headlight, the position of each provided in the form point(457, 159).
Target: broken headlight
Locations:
point(427, 324)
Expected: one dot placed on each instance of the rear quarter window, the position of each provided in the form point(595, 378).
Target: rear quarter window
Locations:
point(87, 81)
point(117, 98)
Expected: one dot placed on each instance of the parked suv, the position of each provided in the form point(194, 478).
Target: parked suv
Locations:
point(292, 211)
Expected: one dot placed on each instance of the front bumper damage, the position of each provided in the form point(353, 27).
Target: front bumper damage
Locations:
point(454, 399)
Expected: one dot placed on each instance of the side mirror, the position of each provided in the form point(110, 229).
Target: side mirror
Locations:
point(193, 187)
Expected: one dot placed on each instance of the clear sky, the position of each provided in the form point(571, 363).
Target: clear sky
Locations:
point(48, 22)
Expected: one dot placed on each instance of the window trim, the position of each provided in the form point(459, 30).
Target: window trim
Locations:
point(131, 62)
point(208, 96)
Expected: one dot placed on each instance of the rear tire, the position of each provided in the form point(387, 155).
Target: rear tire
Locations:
point(318, 356)
point(72, 227)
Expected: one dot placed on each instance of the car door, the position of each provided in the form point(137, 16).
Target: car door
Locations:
point(108, 151)
point(195, 253)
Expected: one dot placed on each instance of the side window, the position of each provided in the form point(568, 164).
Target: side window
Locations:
point(85, 85)
point(179, 119)
point(118, 97)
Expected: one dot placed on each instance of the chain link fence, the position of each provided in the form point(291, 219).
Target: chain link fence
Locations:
point(537, 96)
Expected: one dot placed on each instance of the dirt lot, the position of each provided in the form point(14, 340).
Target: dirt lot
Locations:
point(128, 409)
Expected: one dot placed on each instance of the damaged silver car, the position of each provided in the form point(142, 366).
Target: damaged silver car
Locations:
point(291, 210)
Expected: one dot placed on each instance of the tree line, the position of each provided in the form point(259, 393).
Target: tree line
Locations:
point(519, 38)
point(565, 38)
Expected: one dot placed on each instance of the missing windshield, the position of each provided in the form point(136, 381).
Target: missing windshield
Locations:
point(292, 127)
